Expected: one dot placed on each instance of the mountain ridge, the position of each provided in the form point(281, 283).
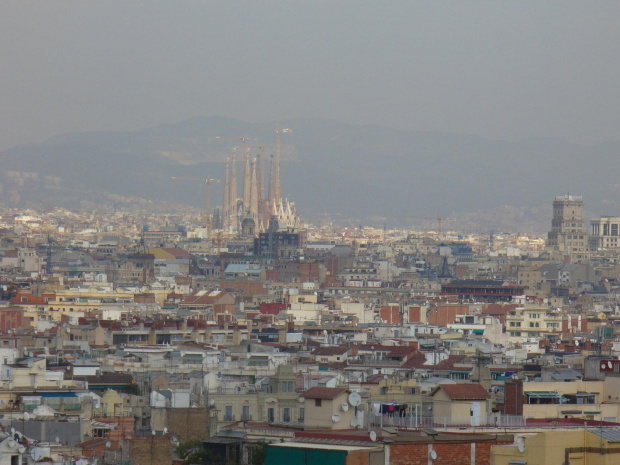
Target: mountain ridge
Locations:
point(346, 171)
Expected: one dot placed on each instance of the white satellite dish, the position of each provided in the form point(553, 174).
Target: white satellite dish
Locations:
point(433, 455)
point(12, 430)
point(26, 416)
point(336, 417)
point(373, 436)
point(354, 423)
point(21, 449)
point(153, 432)
point(609, 364)
point(108, 444)
point(521, 446)
point(355, 399)
point(212, 402)
point(12, 442)
point(165, 430)
point(57, 439)
point(345, 407)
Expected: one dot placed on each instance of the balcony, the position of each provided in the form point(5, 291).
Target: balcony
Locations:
point(238, 390)
point(229, 418)
point(375, 363)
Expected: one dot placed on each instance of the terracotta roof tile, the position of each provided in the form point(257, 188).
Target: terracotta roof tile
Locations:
point(463, 391)
point(323, 393)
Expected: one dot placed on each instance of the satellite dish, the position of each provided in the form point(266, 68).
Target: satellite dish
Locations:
point(609, 364)
point(355, 399)
point(12, 442)
point(26, 416)
point(12, 431)
point(68, 329)
point(433, 455)
point(603, 366)
point(165, 430)
point(108, 444)
point(521, 446)
point(345, 407)
point(211, 402)
point(354, 423)
point(336, 417)
point(21, 449)
point(373, 436)
point(57, 439)
point(153, 432)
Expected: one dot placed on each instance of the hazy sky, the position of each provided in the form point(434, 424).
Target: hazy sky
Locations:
point(501, 69)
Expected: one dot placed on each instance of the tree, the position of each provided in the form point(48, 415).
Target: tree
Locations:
point(259, 453)
point(192, 452)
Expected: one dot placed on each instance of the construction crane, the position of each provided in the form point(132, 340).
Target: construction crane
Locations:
point(208, 181)
point(276, 193)
point(279, 132)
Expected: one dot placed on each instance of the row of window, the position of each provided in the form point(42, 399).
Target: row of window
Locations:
point(245, 414)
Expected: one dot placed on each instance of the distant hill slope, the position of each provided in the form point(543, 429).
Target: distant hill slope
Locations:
point(355, 173)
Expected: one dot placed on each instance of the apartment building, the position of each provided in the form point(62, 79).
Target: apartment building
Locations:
point(532, 322)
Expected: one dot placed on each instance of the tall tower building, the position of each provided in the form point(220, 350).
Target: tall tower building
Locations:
point(568, 234)
point(605, 233)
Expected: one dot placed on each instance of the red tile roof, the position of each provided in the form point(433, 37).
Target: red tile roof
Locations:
point(463, 391)
point(328, 351)
point(177, 252)
point(323, 393)
point(448, 364)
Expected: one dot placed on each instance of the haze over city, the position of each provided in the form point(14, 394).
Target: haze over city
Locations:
point(501, 70)
point(303, 232)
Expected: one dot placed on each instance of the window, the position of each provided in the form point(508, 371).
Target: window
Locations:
point(228, 415)
point(290, 386)
point(301, 414)
point(317, 402)
point(287, 414)
point(283, 386)
point(245, 413)
point(270, 415)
